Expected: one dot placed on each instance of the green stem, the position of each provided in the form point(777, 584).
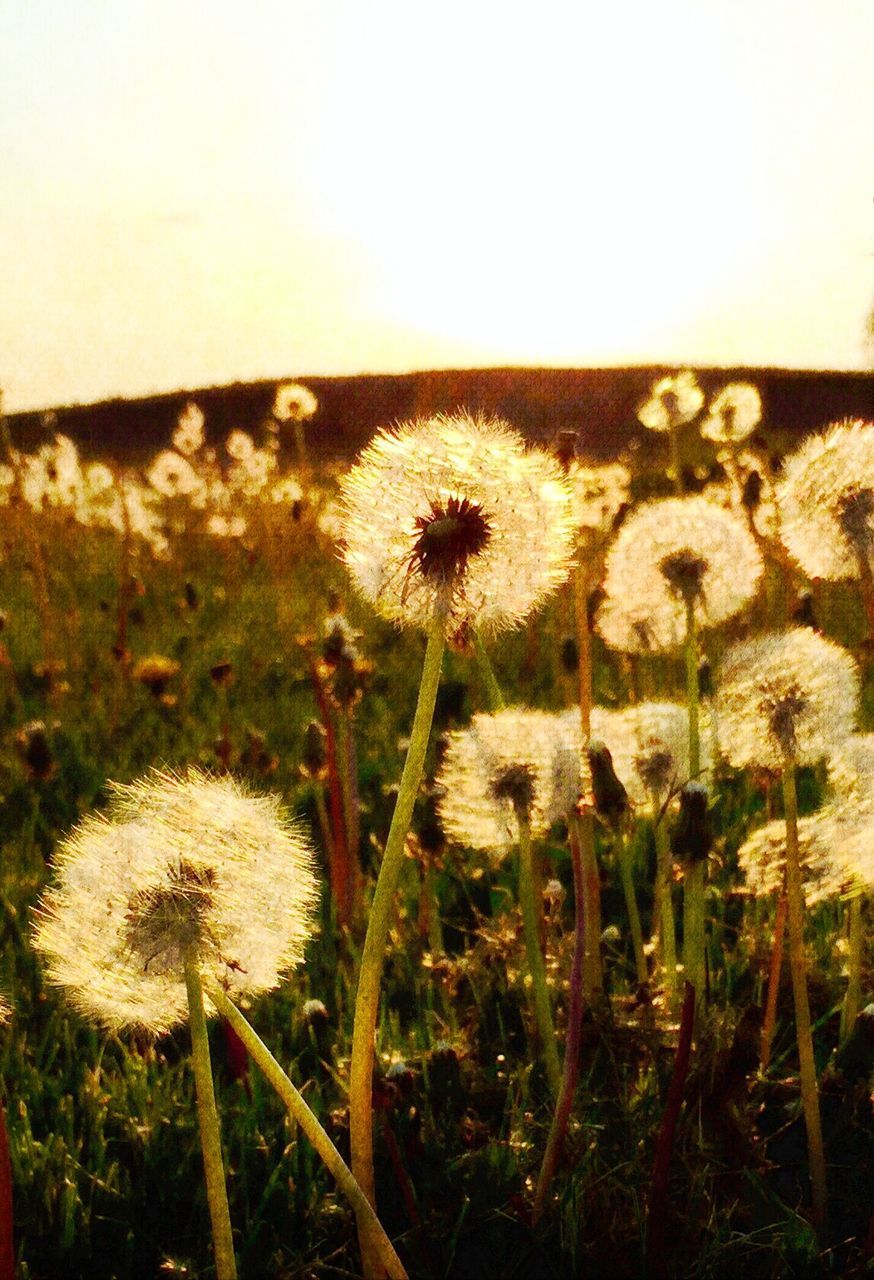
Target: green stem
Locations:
point(593, 977)
point(623, 857)
point(695, 876)
point(301, 1114)
point(803, 1032)
point(379, 921)
point(667, 935)
point(210, 1132)
point(853, 996)
point(536, 966)
point(494, 694)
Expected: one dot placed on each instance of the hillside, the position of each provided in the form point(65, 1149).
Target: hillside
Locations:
point(599, 404)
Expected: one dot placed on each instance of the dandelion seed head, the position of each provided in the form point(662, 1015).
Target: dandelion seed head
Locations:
point(762, 860)
point(733, 414)
point(598, 494)
point(826, 501)
point(505, 764)
point(788, 694)
point(294, 402)
point(667, 552)
point(672, 402)
point(183, 865)
point(188, 436)
point(240, 446)
point(455, 513)
point(173, 476)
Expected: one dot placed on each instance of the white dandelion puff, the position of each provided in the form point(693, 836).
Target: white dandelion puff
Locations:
point(506, 761)
point(733, 414)
point(184, 867)
point(173, 476)
point(669, 552)
point(826, 501)
point(294, 402)
point(762, 860)
point(188, 436)
point(598, 494)
point(788, 695)
point(456, 513)
point(672, 402)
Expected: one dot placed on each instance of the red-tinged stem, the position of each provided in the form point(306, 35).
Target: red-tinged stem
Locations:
point(338, 854)
point(656, 1226)
point(775, 968)
point(571, 1065)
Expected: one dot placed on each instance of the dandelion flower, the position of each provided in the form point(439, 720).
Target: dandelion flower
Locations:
point(188, 436)
point(505, 762)
point(649, 743)
point(669, 554)
point(294, 403)
point(762, 860)
point(733, 414)
point(173, 476)
point(240, 446)
point(598, 494)
point(183, 866)
point(786, 695)
point(672, 402)
point(826, 502)
point(455, 513)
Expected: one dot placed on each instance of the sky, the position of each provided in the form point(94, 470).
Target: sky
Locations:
point(206, 192)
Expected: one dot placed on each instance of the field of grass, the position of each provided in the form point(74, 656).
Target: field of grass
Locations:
point(105, 1154)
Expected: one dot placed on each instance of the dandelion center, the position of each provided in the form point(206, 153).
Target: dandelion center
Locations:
point(783, 716)
point(854, 516)
point(684, 571)
point(516, 784)
point(656, 770)
point(167, 924)
point(448, 537)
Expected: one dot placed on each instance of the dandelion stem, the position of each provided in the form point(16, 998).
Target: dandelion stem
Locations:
point(576, 1004)
point(494, 694)
point(665, 922)
point(853, 996)
point(803, 1032)
point(302, 1115)
point(770, 1020)
point(696, 874)
point(210, 1132)
point(623, 857)
point(536, 966)
point(593, 980)
point(866, 584)
point(379, 921)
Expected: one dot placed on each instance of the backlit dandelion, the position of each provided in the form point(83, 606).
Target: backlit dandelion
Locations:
point(455, 513)
point(788, 694)
point(670, 556)
point(173, 476)
point(294, 402)
point(826, 501)
point(182, 864)
point(502, 760)
point(762, 860)
point(733, 414)
point(672, 402)
point(598, 494)
point(782, 700)
point(188, 436)
point(497, 781)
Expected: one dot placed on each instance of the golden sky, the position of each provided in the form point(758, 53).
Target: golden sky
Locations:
point(199, 193)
